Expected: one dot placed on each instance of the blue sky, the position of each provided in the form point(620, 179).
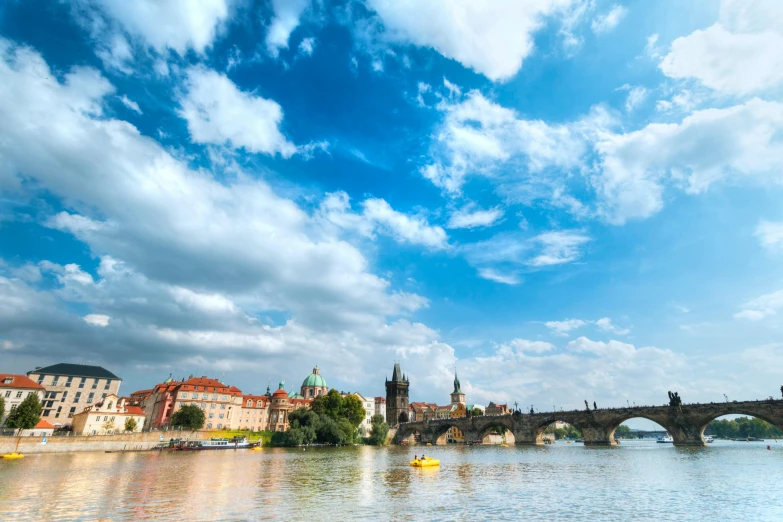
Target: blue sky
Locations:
point(567, 200)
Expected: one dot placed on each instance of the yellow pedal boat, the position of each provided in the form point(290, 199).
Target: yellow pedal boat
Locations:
point(425, 463)
point(12, 456)
point(257, 448)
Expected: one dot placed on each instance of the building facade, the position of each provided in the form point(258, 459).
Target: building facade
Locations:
point(72, 387)
point(497, 409)
point(314, 385)
point(369, 411)
point(397, 397)
point(380, 407)
point(108, 416)
point(14, 389)
point(458, 409)
point(422, 411)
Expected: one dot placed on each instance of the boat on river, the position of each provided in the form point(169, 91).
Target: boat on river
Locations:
point(709, 439)
point(218, 444)
point(426, 462)
point(13, 455)
point(665, 440)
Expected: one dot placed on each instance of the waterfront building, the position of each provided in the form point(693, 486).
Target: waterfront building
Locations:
point(42, 429)
point(397, 397)
point(14, 389)
point(422, 411)
point(369, 411)
point(314, 385)
point(443, 412)
point(255, 412)
point(222, 404)
point(107, 416)
point(380, 407)
point(497, 409)
point(72, 387)
point(279, 408)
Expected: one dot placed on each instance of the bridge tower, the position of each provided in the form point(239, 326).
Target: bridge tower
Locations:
point(457, 397)
point(397, 397)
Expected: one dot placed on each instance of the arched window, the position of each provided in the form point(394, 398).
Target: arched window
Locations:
point(310, 392)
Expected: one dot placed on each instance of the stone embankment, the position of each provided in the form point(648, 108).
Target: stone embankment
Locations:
point(120, 442)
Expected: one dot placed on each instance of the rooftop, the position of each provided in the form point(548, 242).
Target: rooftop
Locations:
point(13, 380)
point(76, 370)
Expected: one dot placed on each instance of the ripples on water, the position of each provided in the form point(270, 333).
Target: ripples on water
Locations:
point(638, 481)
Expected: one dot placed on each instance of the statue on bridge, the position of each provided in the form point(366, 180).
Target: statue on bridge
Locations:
point(675, 401)
point(587, 406)
point(781, 390)
point(595, 406)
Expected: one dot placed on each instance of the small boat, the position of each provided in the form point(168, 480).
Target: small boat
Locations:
point(257, 448)
point(425, 463)
point(13, 455)
point(580, 440)
point(749, 439)
point(709, 439)
point(504, 445)
point(665, 440)
point(429, 444)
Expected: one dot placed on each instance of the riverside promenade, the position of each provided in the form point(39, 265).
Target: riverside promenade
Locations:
point(78, 443)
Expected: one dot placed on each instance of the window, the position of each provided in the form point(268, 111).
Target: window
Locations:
point(72, 412)
point(214, 397)
point(112, 419)
point(203, 406)
point(103, 396)
point(40, 379)
point(68, 382)
point(18, 394)
point(90, 397)
point(95, 383)
point(212, 406)
point(249, 403)
point(65, 394)
point(59, 409)
point(54, 381)
point(108, 383)
point(81, 384)
point(223, 398)
point(7, 394)
point(222, 406)
point(220, 416)
point(211, 415)
point(220, 426)
point(78, 396)
point(209, 425)
point(204, 397)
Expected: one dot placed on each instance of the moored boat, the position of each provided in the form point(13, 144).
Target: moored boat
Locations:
point(665, 440)
point(218, 444)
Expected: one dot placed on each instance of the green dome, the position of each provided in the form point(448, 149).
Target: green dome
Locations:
point(315, 380)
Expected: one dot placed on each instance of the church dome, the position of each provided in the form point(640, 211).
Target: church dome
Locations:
point(315, 380)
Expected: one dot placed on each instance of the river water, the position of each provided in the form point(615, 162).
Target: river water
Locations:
point(640, 480)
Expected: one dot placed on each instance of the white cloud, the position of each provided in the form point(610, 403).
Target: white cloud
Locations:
point(492, 38)
point(470, 217)
point(606, 22)
point(287, 14)
point(378, 216)
point(651, 47)
point(558, 247)
point(499, 277)
point(762, 307)
point(738, 55)
point(770, 234)
point(636, 95)
point(97, 319)
point(115, 52)
point(218, 112)
point(605, 324)
point(524, 345)
point(132, 105)
point(562, 328)
point(174, 24)
point(307, 46)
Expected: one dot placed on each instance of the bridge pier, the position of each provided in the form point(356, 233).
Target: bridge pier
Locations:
point(598, 436)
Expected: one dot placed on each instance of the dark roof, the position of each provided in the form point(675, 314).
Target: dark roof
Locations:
point(77, 370)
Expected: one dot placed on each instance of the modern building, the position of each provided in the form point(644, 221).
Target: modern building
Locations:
point(222, 404)
point(72, 387)
point(14, 389)
point(314, 385)
point(397, 397)
point(108, 416)
point(380, 407)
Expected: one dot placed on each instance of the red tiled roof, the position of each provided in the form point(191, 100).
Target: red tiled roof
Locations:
point(18, 381)
point(43, 425)
point(380, 399)
point(280, 393)
point(134, 410)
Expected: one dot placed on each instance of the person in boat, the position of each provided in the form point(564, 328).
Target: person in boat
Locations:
point(415, 457)
point(423, 457)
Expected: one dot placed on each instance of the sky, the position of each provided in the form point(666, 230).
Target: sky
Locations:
point(563, 200)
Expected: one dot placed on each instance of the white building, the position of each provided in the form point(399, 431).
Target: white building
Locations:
point(369, 411)
point(107, 417)
point(380, 407)
point(14, 389)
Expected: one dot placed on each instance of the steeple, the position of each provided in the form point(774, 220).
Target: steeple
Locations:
point(397, 374)
point(456, 384)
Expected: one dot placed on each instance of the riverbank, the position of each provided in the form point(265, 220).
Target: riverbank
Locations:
point(119, 442)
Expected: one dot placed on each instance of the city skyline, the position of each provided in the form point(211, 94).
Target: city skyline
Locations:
point(581, 203)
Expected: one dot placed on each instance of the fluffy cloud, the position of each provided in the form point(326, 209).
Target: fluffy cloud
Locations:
point(606, 325)
point(175, 24)
point(470, 217)
point(491, 274)
point(738, 55)
point(130, 104)
point(491, 38)
point(378, 216)
point(97, 319)
point(218, 112)
point(606, 22)
point(563, 327)
point(558, 247)
point(761, 307)
point(770, 234)
point(286, 18)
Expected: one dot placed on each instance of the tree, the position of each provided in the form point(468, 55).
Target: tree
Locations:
point(353, 410)
point(2, 408)
point(622, 431)
point(130, 424)
point(476, 412)
point(26, 415)
point(190, 416)
point(108, 425)
point(379, 430)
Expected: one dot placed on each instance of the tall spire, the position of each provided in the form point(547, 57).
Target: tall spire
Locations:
point(456, 383)
point(397, 374)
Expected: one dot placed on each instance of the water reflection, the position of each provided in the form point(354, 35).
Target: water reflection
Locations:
point(639, 480)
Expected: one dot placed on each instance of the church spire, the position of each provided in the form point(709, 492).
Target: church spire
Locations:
point(456, 383)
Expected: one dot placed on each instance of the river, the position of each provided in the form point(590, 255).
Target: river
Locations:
point(639, 480)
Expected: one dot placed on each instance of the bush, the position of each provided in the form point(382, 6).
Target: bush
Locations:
point(130, 424)
point(190, 417)
point(379, 431)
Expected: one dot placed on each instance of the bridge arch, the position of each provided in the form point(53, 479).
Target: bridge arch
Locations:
point(625, 417)
point(497, 431)
point(410, 433)
point(743, 410)
point(542, 424)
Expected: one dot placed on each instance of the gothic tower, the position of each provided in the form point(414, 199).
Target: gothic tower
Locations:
point(397, 397)
point(457, 397)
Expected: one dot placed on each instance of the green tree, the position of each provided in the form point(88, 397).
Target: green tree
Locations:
point(2, 408)
point(353, 410)
point(26, 415)
point(379, 430)
point(476, 412)
point(130, 424)
point(622, 431)
point(189, 416)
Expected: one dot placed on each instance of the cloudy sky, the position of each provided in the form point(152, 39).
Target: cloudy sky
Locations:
point(566, 199)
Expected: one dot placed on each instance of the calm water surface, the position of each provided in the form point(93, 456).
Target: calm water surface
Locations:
point(637, 481)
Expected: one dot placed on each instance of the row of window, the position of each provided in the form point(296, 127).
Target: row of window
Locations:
point(19, 394)
point(212, 416)
point(204, 396)
point(56, 381)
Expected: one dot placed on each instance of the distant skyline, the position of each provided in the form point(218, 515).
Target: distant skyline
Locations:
point(568, 200)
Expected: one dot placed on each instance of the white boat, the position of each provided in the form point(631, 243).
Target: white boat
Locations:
point(665, 440)
point(219, 444)
point(709, 439)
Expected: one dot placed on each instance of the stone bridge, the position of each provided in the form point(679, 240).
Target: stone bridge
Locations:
point(685, 423)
